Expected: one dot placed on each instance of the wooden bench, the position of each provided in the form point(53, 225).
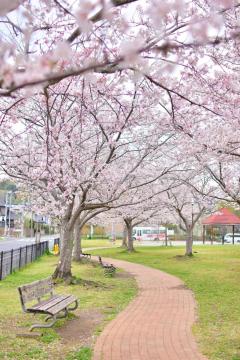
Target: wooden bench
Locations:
point(109, 269)
point(47, 302)
point(86, 256)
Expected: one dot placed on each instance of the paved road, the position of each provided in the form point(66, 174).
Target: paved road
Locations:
point(14, 243)
point(156, 325)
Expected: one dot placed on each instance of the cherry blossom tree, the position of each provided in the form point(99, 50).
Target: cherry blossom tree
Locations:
point(187, 206)
point(142, 212)
point(90, 91)
point(142, 202)
point(81, 153)
point(47, 41)
point(137, 203)
point(209, 138)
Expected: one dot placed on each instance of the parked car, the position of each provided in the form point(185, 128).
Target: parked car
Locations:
point(228, 238)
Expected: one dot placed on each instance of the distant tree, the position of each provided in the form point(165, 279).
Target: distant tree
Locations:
point(8, 185)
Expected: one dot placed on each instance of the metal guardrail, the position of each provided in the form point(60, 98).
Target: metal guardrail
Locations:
point(15, 259)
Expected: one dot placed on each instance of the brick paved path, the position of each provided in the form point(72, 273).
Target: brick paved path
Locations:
point(156, 325)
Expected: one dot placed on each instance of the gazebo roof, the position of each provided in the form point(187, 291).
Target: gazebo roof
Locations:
point(222, 217)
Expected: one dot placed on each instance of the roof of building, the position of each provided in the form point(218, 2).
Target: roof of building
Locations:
point(222, 217)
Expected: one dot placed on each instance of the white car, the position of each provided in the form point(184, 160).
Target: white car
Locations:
point(228, 238)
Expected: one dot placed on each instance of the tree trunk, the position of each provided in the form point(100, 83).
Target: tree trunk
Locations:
point(77, 247)
point(125, 237)
point(63, 269)
point(128, 223)
point(189, 242)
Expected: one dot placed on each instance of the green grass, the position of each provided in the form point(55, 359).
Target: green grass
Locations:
point(214, 276)
point(107, 296)
point(86, 243)
point(84, 353)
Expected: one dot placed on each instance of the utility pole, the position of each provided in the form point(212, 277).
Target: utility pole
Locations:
point(6, 211)
point(9, 213)
point(31, 225)
point(8, 205)
point(22, 223)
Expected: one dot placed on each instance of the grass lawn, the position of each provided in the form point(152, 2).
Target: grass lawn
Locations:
point(214, 276)
point(101, 299)
point(86, 243)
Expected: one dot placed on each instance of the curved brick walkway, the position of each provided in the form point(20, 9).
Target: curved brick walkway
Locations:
point(156, 325)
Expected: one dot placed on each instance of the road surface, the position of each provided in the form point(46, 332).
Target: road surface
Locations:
point(15, 243)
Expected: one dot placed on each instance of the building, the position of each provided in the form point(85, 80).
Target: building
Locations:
point(11, 215)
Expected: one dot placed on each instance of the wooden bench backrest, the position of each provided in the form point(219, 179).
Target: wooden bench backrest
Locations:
point(35, 290)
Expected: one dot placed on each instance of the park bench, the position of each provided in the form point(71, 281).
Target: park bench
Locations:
point(109, 269)
point(86, 256)
point(55, 306)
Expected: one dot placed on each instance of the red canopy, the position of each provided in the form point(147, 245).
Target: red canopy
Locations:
point(222, 217)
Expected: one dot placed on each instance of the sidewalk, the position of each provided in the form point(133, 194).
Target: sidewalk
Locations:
point(156, 325)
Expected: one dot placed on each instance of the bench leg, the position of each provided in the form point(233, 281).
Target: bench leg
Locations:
point(58, 316)
point(74, 307)
point(65, 313)
point(48, 317)
point(54, 318)
point(34, 326)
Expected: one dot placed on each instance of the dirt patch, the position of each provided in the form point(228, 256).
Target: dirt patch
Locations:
point(183, 257)
point(80, 330)
point(91, 284)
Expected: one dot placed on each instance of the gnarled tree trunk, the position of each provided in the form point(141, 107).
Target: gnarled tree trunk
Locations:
point(128, 222)
point(63, 269)
point(125, 237)
point(77, 247)
point(189, 242)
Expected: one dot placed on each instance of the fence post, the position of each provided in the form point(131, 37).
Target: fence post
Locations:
point(11, 264)
point(47, 244)
point(1, 266)
point(32, 252)
point(20, 258)
point(26, 255)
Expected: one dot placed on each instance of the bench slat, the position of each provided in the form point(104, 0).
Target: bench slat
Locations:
point(62, 305)
point(53, 307)
point(44, 305)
